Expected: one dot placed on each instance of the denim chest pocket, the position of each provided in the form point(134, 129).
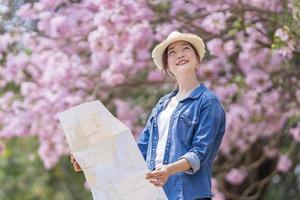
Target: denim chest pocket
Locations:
point(186, 128)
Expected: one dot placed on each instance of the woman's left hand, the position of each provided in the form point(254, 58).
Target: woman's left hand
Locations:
point(159, 176)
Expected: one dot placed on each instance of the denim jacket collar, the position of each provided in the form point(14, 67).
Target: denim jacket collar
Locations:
point(196, 93)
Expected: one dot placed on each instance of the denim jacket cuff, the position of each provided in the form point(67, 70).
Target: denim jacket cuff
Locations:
point(193, 160)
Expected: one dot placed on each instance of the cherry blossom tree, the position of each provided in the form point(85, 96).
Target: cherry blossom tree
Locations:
point(77, 51)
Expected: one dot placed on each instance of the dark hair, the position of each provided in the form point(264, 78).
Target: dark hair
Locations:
point(165, 59)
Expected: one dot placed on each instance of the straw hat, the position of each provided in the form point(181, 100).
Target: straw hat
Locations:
point(196, 41)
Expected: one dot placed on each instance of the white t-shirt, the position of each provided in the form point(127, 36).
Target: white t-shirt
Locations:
point(163, 123)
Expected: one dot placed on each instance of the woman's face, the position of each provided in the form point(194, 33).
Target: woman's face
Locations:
point(182, 58)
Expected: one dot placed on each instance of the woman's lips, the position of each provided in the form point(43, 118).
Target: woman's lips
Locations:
point(182, 62)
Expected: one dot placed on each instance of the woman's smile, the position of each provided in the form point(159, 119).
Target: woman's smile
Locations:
point(182, 62)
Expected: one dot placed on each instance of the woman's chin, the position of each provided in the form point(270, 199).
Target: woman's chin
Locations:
point(185, 68)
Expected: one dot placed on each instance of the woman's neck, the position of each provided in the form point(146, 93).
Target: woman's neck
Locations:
point(186, 85)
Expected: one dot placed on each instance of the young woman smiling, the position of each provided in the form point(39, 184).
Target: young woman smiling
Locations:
point(185, 128)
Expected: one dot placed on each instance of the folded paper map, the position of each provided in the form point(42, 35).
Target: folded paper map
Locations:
point(107, 153)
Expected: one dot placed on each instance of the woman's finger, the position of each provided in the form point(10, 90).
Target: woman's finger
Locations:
point(77, 167)
point(155, 173)
point(155, 182)
point(150, 175)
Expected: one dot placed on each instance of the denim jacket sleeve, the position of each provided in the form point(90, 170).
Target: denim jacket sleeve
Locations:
point(212, 116)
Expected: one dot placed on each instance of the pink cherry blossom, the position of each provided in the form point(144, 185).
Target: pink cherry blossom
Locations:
point(127, 113)
point(227, 92)
point(26, 12)
point(1, 149)
point(52, 4)
point(217, 195)
point(298, 95)
point(270, 152)
point(282, 34)
point(215, 46)
point(215, 22)
point(236, 176)
point(258, 80)
point(229, 47)
point(5, 41)
point(155, 76)
point(164, 29)
point(61, 26)
point(284, 164)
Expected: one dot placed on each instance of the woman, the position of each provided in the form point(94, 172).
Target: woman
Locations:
point(185, 128)
point(184, 131)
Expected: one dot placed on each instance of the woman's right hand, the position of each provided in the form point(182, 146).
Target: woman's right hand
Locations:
point(76, 166)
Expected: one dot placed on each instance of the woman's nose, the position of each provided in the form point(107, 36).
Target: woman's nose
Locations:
point(179, 56)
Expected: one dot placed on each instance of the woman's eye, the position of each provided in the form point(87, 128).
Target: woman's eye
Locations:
point(171, 52)
point(186, 48)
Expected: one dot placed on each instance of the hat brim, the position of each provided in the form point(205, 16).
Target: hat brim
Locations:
point(197, 42)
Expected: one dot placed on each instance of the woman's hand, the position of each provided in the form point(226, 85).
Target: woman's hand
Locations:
point(159, 176)
point(76, 166)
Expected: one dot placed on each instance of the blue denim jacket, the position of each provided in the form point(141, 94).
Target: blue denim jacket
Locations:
point(195, 133)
